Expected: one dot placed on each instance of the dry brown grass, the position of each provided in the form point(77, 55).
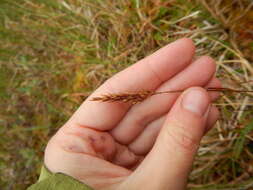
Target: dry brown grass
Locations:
point(53, 54)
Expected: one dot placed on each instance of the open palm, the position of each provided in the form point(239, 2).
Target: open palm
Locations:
point(143, 146)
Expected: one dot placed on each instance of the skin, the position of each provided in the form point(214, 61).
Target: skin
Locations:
point(150, 145)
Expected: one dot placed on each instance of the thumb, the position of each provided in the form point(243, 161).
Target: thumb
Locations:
point(169, 163)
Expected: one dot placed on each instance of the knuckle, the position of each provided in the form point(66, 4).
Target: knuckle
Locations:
point(181, 139)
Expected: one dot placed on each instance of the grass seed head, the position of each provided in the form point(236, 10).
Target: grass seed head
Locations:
point(132, 98)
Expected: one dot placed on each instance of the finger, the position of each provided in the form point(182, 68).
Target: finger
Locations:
point(171, 158)
point(147, 74)
point(145, 141)
point(212, 118)
point(214, 83)
point(197, 74)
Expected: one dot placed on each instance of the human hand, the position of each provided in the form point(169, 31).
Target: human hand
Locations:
point(150, 145)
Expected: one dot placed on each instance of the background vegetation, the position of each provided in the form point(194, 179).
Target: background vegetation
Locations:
point(53, 53)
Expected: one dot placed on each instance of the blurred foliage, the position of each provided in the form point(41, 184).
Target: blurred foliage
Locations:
point(54, 50)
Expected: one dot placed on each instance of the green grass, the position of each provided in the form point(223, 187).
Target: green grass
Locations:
point(51, 50)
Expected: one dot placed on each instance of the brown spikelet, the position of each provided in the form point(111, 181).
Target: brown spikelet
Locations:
point(136, 97)
point(132, 98)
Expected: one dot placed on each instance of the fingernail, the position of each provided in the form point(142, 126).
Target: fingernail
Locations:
point(195, 101)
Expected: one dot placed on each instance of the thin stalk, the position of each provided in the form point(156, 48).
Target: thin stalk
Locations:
point(136, 97)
